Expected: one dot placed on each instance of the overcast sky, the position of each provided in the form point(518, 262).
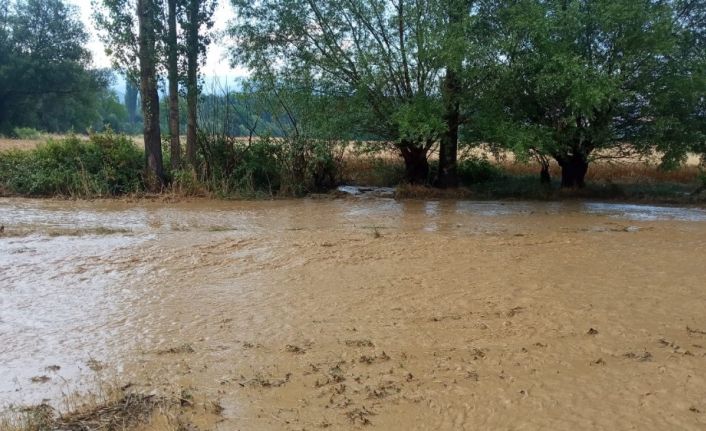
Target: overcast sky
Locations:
point(217, 64)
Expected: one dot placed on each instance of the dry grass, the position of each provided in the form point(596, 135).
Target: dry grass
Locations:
point(387, 170)
point(625, 172)
point(28, 144)
point(377, 171)
point(113, 409)
point(116, 409)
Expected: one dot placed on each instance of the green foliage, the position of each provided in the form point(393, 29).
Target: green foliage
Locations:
point(46, 80)
point(26, 133)
point(575, 77)
point(112, 114)
point(476, 170)
point(268, 166)
point(369, 68)
point(105, 165)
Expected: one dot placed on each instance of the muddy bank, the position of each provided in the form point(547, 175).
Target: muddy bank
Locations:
point(364, 312)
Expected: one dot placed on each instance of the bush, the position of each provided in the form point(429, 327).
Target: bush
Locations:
point(286, 166)
point(105, 165)
point(26, 133)
point(477, 170)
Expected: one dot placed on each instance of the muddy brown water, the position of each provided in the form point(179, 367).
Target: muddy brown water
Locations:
point(372, 313)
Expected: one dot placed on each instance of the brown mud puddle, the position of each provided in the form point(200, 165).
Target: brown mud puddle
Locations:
point(367, 313)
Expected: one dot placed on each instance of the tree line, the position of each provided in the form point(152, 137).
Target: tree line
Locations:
point(144, 38)
point(568, 80)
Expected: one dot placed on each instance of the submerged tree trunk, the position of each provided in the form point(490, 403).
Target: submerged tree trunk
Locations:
point(192, 59)
point(415, 163)
point(154, 177)
point(173, 72)
point(573, 170)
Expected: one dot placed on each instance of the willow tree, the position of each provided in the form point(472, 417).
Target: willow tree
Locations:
point(382, 56)
point(581, 78)
point(460, 59)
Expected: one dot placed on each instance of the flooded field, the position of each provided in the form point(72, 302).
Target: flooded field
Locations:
point(362, 312)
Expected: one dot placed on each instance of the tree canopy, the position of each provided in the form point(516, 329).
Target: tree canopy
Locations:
point(565, 79)
point(46, 78)
point(381, 60)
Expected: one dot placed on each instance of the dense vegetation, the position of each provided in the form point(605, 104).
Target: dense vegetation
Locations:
point(105, 165)
point(46, 79)
point(553, 79)
point(560, 82)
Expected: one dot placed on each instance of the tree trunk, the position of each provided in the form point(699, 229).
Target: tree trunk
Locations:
point(448, 148)
point(415, 163)
point(154, 178)
point(173, 72)
point(544, 176)
point(451, 93)
point(192, 59)
point(573, 170)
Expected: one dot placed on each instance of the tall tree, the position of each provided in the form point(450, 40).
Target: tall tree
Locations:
point(196, 21)
point(46, 78)
point(147, 54)
point(173, 76)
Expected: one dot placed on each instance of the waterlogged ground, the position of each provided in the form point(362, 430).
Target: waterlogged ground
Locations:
point(367, 313)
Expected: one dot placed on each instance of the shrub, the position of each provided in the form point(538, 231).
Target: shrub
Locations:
point(105, 165)
point(26, 133)
point(285, 166)
point(477, 170)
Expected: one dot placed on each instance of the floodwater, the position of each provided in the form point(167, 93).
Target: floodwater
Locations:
point(364, 312)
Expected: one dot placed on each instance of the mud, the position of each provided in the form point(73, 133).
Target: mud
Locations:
point(364, 312)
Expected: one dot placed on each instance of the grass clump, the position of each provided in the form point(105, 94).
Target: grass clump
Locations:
point(119, 411)
point(26, 133)
point(114, 408)
point(104, 165)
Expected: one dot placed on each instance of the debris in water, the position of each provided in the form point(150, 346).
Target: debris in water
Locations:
point(380, 192)
point(691, 331)
point(291, 348)
point(95, 365)
point(644, 357)
point(359, 343)
point(184, 348)
point(40, 379)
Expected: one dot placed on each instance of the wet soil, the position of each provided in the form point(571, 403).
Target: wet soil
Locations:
point(364, 313)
